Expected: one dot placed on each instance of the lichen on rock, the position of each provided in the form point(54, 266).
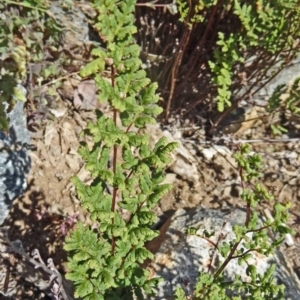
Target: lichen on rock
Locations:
point(15, 162)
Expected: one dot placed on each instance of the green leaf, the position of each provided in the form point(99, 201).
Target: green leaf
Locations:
point(142, 121)
point(158, 193)
point(179, 294)
point(83, 289)
point(93, 67)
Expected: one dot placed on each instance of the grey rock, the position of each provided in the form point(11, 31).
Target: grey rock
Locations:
point(15, 162)
point(181, 257)
point(76, 27)
point(286, 76)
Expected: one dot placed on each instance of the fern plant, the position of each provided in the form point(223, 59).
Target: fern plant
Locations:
point(252, 236)
point(222, 52)
point(105, 260)
point(270, 27)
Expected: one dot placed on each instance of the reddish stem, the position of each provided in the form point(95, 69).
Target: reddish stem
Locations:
point(115, 189)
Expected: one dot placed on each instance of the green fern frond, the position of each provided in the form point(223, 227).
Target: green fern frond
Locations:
point(129, 182)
